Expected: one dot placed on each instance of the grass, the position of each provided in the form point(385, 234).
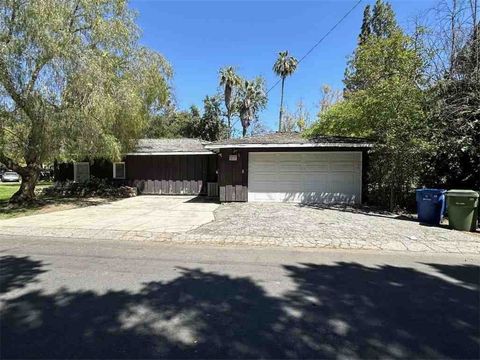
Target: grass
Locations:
point(42, 205)
point(8, 189)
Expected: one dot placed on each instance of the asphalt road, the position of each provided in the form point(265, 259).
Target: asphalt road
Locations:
point(67, 298)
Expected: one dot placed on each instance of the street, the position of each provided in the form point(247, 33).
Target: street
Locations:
point(71, 298)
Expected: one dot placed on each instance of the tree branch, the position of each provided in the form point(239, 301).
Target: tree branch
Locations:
point(9, 163)
point(36, 72)
point(20, 140)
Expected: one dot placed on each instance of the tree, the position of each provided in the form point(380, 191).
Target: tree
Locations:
point(73, 82)
point(391, 111)
point(230, 82)
point(380, 23)
point(251, 99)
point(297, 121)
point(366, 26)
point(172, 123)
point(383, 22)
point(455, 122)
point(212, 127)
point(329, 97)
point(284, 66)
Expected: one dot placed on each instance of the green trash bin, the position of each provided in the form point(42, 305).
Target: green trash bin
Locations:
point(462, 207)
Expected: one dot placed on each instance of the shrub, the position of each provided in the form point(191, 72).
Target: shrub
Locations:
point(91, 188)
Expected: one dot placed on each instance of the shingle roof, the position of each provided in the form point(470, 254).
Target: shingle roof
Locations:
point(165, 146)
point(291, 138)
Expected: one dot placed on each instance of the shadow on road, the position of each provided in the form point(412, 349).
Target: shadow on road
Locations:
point(18, 272)
point(340, 310)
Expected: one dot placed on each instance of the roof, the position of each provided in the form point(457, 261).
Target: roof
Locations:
point(181, 146)
point(290, 139)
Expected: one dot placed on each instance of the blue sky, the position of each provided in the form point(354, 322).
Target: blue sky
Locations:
point(199, 37)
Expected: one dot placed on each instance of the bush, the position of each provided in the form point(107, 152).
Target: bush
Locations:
point(93, 187)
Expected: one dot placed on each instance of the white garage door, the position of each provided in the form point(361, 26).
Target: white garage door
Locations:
point(306, 177)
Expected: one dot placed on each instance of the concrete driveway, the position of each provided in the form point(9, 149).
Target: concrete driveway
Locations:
point(142, 214)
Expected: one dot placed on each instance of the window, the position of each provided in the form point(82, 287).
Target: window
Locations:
point(81, 171)
point(119, 170)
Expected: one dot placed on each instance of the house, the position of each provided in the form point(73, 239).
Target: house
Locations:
point(277, 167)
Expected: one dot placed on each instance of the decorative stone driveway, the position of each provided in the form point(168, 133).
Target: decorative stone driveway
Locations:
point(345, 228)
point(193, 221)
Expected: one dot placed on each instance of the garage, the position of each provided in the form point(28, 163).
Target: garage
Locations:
point(290, 167)
point(305, 177)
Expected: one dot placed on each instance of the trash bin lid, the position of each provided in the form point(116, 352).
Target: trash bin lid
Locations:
point(431, 191)
point(463, 193)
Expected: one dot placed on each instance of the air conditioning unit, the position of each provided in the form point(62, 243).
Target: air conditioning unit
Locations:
point(212, 189)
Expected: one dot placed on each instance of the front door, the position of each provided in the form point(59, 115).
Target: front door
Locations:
point(231, 176)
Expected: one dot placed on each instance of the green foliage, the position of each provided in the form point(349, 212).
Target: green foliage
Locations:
point(390, 109)
point(454, 120)
point(251, 99)
point(173, 124)
point(383, 22)
point(230, 82)
point(378, 24)
point(284, 66)
point(73, 82)
point(366, 25)
point(190, 124)
point(211, 124)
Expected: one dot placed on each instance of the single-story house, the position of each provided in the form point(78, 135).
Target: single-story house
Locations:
point(277, 167)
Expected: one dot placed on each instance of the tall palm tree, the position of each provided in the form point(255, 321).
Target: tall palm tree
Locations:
point(229, 80)
point(283, 67)
point(252, 98)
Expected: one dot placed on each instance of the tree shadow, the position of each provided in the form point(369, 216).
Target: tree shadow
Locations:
point(361, 210)
point(467, 274)
point(384, 312)
point(18, 272)
point(339, 310)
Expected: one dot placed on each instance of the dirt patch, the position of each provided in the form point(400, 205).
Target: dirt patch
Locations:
point(48, 205)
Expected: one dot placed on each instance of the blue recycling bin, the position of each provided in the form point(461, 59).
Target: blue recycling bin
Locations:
point(430, 205)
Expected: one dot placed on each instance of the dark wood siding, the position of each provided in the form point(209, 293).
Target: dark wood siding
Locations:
point(99, 168)
point(171, 174)
point(233, 175)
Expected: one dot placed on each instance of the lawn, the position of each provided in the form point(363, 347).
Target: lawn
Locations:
point(8, 189)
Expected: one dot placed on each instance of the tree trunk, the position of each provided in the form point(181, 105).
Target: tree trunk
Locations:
point(229, 135)
point(281, 108)
point(26, 193)
point(244, 131)
point(453, 39)
point(392, 197)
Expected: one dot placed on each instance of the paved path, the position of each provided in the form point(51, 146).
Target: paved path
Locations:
point(71, 298)
point(188, 220)
point(152, 214)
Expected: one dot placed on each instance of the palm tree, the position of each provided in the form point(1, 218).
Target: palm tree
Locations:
point(283, 67)
point(252, 98)
point(229, 80)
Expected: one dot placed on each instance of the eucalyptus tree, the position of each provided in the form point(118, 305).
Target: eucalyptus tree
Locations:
point(73, 83)
point(284, 66)
point(230, 82)
point(251, 99)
